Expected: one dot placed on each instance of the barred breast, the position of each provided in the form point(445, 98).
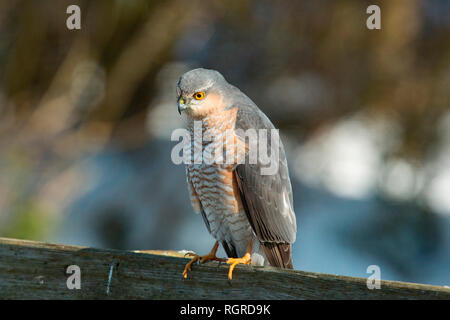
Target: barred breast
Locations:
point(214, 184)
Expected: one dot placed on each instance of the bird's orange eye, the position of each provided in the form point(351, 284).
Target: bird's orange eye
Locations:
point(199, 95)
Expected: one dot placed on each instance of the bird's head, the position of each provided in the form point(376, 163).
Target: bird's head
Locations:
point(200, 92)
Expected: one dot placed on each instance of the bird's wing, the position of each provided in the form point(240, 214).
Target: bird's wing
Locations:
point(195, 202)
point(267, 199)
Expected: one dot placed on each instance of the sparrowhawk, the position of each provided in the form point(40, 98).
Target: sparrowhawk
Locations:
point(249, 213)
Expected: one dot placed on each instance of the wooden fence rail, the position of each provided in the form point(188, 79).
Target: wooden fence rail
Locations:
point(36, 270)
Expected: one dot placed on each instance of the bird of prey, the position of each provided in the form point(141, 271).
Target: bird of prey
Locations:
point(249, 213)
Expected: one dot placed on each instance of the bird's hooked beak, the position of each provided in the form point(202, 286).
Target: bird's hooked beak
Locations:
point(181, 105)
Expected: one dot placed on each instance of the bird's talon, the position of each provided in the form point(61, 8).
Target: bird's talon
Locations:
point(201, 259)
point(235, 261)
point(188, 265)
point(189, 254)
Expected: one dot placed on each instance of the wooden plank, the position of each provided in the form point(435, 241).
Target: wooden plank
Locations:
point(35, 270)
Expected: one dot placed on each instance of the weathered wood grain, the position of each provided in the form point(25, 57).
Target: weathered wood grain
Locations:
point(34, 270)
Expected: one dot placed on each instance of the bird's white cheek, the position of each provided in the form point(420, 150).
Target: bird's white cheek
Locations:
point(190, 108)
point(197, 109)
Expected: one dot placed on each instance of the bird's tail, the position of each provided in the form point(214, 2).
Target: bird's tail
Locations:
point(279, 254)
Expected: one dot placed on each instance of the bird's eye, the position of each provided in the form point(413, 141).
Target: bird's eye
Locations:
point(199, 95)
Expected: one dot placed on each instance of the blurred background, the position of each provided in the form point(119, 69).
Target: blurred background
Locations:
point(86, 117)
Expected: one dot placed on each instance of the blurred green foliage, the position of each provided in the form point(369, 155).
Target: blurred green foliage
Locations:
point(29, 222)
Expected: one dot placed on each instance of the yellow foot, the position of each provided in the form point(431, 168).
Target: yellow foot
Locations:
point(188, 265)
point(195, 257)
point(235, 261)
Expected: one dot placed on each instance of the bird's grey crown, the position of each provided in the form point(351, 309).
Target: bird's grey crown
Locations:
point(200, 80)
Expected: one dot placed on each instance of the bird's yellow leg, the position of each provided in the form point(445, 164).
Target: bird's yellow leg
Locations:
point(209, 257)
point(246, 259)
